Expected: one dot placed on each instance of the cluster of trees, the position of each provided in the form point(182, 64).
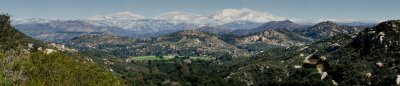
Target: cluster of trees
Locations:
point(178, 71)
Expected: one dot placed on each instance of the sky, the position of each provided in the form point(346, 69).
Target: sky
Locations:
point(300, 9)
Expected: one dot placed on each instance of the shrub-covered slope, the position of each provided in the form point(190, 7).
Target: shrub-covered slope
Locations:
point(25, 61)
point(369, 58)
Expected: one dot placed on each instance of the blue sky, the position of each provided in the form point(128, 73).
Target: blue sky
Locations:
point(301, 9)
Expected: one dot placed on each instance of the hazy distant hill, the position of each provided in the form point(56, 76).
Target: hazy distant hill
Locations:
point(327, 29)
point(287, 24)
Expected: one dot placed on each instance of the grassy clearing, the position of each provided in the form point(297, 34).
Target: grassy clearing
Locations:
point(138, 58)
point(151, 58)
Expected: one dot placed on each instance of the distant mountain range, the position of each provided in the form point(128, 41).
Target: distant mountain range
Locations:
point(214, 41)
point(244, 21)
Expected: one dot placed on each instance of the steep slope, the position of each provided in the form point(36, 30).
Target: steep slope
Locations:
point(374, 52)
point(25, 61)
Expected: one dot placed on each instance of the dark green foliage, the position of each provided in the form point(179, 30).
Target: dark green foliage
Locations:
point(10, 38)
point(21, 64)
point(59, 69)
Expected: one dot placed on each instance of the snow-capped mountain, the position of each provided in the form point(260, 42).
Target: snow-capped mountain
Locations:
point(220, 17)
point(183, 17)
point(122, 20)
point(135, 25)
point(32, 21)
point(244, 14)
point(135, 22)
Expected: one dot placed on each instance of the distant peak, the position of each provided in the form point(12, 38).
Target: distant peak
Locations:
point(287, 21)
point(327, 23)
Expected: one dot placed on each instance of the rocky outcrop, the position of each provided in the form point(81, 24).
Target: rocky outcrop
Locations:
point(275, 37)
point(383, 37)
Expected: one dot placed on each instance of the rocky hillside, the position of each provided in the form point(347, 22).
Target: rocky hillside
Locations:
point(184, 43)
point(327, 29)
point(201, 43)
point(369, 58)
point(25, 61)
point(281, 37)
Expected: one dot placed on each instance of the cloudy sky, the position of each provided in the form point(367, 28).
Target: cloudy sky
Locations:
point(300, 9)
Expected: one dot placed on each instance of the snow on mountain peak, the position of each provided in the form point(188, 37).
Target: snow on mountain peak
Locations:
point(231, 15)
point(32, 21)
point(220, 17)
point(118, 16)
point(182, 17)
